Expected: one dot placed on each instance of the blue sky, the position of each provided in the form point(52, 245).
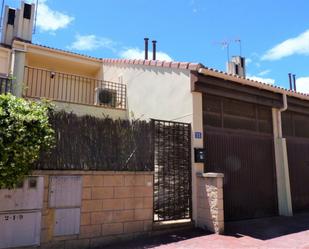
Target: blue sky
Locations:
point(274, 34)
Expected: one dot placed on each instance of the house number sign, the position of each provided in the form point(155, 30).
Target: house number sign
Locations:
point(198, 135)
point(13, 217)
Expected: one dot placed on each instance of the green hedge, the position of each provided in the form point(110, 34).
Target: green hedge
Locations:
point(24, 132)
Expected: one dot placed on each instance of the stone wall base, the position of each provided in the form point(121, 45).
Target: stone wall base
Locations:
point(210, 213)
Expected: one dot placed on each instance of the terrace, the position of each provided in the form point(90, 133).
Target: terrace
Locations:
point(73, 88)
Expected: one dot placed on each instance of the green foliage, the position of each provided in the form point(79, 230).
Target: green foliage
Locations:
point(24, 132)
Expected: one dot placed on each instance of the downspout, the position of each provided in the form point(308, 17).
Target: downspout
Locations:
point(12, 63)
point(282, 167)
point(283, 109)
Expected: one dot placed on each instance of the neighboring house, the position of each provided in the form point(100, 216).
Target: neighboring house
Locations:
point(243, 124)
point(73, 81)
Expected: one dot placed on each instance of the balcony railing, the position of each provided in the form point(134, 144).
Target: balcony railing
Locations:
point(5, 85)
point(41, 83)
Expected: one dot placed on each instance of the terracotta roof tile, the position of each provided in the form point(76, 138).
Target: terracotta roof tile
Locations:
point(175, 64)
point(157, 63)
point(258, 82)
point(65, 51)
point(147, 62)
point(195, 66)
point(183, 65)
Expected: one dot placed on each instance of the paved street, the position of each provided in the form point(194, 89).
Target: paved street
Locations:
point(276, 232)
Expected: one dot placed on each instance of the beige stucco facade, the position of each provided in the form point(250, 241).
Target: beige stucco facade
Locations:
point(154, 92)
point(5, 57)
point(163, 93)
point(96, 111)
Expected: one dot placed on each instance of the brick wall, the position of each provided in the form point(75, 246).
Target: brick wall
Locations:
point(114, 205)
point(210, 213)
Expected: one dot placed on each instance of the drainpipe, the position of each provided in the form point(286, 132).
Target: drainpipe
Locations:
point(283, 109)
point(282, 164)
point(12, 63)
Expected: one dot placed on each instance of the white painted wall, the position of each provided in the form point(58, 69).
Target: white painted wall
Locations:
point(24, 198)
point(154, 92)
point(96, 111)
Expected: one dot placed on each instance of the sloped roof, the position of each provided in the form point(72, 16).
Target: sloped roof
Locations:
point(167, 64)
point(197, 67)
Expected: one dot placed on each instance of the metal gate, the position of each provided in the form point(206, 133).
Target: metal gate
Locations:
point(172, 170)
point(247, 161)
point(298, 157)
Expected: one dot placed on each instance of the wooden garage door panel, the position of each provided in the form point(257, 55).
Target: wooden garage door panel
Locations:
point(247, 162)
point(298, 156)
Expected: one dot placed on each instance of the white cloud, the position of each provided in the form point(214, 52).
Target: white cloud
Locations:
point(135, 53)
point(302, 84)
point(51, 20)
point(292, 46)
point(261, 79)
point(248, 61)
point(264, 72)
point(91, 42)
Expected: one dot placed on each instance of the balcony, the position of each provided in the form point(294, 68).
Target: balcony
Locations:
point(69, 88)
point(5, 85)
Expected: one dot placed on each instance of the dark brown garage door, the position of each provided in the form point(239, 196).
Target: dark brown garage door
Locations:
point(239, 143)
point(296, 129)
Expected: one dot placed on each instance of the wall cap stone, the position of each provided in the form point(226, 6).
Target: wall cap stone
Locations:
point(89, 172)
point(210, 175)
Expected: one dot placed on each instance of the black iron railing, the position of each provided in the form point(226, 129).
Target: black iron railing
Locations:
point(41, 83)
point(5, 85)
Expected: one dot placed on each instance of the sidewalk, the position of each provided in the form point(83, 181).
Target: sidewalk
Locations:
point(275, 232)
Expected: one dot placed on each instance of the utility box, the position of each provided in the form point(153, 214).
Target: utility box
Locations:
point(199, 155)
point(67, 221)
point(20, 214)
point(28, 196)
point(65, 191)
point(20, 229)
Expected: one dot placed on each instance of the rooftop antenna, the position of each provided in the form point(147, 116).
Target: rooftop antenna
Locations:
point(36, 15)
point(225, 44)
point(239, 43)
point(2, 6)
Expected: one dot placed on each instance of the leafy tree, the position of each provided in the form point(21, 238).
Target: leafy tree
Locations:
point(24, 132)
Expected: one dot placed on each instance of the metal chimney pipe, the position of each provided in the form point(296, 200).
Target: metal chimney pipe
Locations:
point(294, 80)
point(154, 50)
point(146, 48)
point(290, 81)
